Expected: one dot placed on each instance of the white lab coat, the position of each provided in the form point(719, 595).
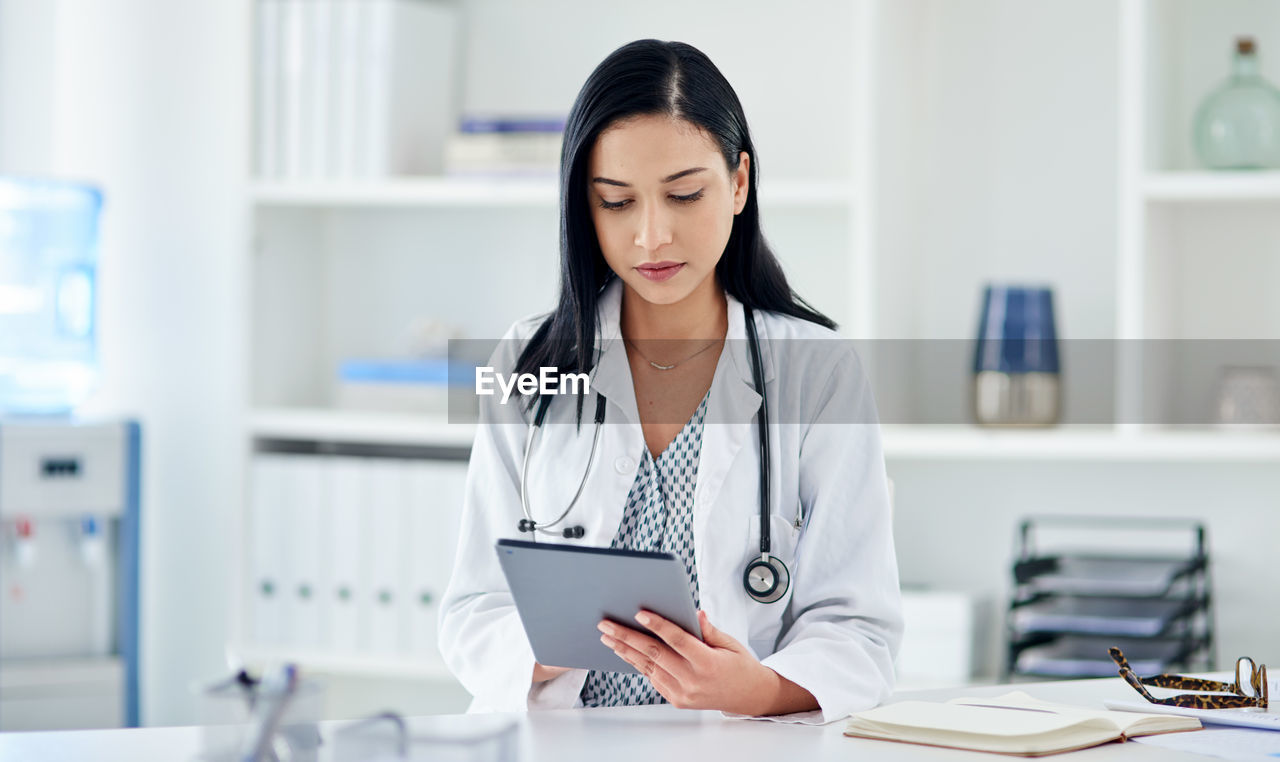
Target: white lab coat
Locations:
point(838, 628)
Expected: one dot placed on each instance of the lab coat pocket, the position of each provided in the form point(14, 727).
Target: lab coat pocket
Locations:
point(783, 536)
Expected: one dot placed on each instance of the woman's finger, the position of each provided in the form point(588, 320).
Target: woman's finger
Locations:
point(650, 666)
point(672, 634)
point(650, 648)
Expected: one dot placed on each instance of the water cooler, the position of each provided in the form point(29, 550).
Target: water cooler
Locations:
point(68, 574)
point(68, 487)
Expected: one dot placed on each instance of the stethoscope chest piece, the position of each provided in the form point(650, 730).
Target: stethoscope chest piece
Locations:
point(766, 579)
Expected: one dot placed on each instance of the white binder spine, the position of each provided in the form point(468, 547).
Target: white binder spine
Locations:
point(268, 82)
point(386, 501)
point(269, 551)
point(302, 507)
point(346, 609)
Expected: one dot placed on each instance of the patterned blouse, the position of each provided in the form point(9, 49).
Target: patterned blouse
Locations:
point(658, 517)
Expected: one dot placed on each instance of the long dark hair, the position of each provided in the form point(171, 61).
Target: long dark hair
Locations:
point(650, 77)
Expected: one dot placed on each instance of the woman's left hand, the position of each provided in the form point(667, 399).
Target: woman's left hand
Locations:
point(716, 672)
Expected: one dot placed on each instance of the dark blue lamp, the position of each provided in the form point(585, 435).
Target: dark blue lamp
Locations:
point(1017, 376)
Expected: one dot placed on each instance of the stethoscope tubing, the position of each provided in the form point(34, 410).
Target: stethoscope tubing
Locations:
point(601, 404)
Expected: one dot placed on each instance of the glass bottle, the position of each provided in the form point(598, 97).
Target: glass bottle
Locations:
point(1238, 125)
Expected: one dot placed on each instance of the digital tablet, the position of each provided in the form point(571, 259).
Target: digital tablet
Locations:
point(563, 591)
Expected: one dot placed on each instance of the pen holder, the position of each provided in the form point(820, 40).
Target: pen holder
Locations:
point(232, 714)
point(1016, 379)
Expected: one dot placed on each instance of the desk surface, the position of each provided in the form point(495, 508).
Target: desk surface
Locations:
point(651, 734)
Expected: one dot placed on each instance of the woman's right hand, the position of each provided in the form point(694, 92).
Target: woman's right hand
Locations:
point(542, 674)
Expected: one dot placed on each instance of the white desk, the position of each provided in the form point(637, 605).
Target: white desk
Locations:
point(650, 734)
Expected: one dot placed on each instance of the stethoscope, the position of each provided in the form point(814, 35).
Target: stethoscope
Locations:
point(766, 578)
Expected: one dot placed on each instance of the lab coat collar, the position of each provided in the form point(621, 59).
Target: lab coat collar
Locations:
point(734, 398)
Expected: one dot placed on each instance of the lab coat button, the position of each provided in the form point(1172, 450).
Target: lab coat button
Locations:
point(624, 465)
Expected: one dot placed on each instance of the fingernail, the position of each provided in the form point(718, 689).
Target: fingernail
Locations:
point(608, 641)
point(605, 627)
point(642, 618)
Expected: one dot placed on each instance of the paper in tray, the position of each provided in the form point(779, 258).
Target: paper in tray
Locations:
point(1086, 575)
point(1086, 656)
point(1101, 616)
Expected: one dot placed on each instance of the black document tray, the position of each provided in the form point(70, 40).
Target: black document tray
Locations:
point(1117, 617)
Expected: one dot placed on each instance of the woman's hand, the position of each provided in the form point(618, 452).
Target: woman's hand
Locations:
point(717, 672)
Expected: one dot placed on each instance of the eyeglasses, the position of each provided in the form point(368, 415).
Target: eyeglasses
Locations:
point(1235, 695)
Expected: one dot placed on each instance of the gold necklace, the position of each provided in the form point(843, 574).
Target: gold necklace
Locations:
point(659, 366)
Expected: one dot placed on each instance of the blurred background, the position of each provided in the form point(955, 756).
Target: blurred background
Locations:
point(236, 237)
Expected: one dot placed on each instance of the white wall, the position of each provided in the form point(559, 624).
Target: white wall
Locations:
point(146, 99)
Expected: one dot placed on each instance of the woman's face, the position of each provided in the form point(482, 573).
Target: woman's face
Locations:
point(663, 205)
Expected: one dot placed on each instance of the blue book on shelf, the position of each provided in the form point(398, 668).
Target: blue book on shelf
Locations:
point(478, 125)
point(426, 372)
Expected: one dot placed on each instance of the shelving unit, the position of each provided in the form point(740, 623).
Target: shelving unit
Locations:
point(1195, 247)
point(930, 161)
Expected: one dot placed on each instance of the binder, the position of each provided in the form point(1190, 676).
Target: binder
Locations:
point(293, 115)
point(421, 597)
point(407, 81)
point(348, 42)
point(450, 481)
point(268, 77)
point(318, 75)
point(434, 511)
point(386, 496)
point(269, 549)
point(346, 607)
point(302, 507)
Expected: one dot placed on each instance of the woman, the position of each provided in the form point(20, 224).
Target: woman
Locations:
point(662, 265)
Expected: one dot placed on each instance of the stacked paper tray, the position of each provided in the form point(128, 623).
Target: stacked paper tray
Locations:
point(1086, 656)
point(1104, 616)
point(1102, 576)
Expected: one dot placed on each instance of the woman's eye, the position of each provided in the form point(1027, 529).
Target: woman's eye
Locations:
point(689, 199)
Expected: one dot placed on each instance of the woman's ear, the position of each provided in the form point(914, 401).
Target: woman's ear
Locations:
point(741, 182)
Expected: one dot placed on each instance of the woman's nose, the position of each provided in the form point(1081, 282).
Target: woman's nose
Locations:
point(655, 228)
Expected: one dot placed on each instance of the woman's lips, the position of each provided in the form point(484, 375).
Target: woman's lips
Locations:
point(660, 271)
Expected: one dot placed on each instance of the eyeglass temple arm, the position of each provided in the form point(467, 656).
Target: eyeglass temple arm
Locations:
point(1172, 681)
point(1189, 683)
point(1133, 680)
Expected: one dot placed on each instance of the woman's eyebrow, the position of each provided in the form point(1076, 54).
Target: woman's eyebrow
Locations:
point(667, 179)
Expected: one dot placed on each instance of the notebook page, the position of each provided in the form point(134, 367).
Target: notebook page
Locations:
point(1123, 721)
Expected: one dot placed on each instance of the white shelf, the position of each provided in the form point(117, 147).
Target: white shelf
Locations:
point(901, 441)
point(408, 667)
point(1212, 186)
point(322, 425)
point(451, 192)
point(967, 443)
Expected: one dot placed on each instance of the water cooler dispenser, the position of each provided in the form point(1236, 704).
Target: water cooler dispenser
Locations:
point(68, 574)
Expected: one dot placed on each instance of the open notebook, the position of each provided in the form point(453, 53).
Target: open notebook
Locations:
point(1014, 723)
